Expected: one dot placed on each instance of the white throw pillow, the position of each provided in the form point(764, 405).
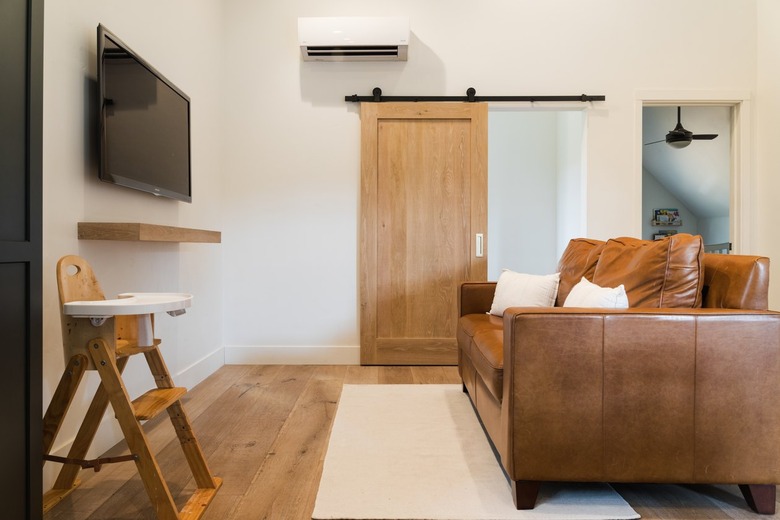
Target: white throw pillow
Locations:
point(588, 294)
point(524, 290)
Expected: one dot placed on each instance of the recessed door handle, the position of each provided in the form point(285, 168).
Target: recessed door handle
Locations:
point(480, 245)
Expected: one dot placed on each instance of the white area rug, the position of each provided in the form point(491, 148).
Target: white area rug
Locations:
point(418, 452)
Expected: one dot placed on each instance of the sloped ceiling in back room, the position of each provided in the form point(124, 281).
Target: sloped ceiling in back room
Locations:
point(698, 174)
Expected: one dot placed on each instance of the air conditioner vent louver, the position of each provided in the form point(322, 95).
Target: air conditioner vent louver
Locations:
point(354, 52)
point(353, 39)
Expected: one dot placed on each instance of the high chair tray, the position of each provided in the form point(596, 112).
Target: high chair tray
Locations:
point(129, 304)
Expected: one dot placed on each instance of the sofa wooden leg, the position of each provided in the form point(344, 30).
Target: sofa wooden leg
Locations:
point(465, 390)
point(760, 497)
point(524, 493)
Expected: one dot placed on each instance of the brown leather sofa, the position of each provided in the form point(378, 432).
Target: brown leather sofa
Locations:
point(682, 387)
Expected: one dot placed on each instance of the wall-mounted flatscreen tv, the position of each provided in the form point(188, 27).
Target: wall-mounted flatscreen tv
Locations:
point(144, 123)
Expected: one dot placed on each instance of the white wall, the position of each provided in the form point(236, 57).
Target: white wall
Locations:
point(182, 39)
point(656, 196)
point(291, 217)
point(714, 230)
point(767, 137)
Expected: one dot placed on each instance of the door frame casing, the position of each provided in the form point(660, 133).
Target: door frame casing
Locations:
point(741, 178)
point(21, 260)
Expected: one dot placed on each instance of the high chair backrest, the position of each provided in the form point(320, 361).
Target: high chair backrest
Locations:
point(76, 281)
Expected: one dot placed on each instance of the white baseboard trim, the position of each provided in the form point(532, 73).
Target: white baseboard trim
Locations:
point(291, 355)
point(200, 370)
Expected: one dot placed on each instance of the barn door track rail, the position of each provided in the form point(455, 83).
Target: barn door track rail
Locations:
point(470, 97)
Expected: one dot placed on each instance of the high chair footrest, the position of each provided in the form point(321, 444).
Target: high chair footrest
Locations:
point(54, 496)
point(155, 401)
point(199, 501)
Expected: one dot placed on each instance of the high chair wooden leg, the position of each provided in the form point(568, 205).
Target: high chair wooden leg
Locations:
point(60, 402)
point(135, 437)
point(181, 423)
point(52, 421)
point(67, 479)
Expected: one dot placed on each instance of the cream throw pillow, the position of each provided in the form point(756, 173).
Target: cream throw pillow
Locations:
point(524, 290)
point(588, 294)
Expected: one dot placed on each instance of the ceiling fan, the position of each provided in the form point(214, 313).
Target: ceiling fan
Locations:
point(680, 137)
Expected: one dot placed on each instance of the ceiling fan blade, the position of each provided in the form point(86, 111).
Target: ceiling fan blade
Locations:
point(654, 142)
point(704, 137)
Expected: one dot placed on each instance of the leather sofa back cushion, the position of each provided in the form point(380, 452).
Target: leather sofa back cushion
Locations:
point(664, 273)
point(577, 261)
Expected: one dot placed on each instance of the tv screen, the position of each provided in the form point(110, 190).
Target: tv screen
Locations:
point(144, 123)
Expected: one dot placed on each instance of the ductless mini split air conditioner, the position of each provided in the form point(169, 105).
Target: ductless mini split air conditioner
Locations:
point(354, 38)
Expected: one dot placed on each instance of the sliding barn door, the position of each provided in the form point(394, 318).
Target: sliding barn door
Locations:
point(423, 205)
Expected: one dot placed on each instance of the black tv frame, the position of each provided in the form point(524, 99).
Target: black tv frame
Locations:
point(103, 174)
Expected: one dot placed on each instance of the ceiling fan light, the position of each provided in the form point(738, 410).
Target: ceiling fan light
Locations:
point(678, 143)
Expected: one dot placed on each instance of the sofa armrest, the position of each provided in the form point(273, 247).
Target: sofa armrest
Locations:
point(632, 395)
point(475, 297)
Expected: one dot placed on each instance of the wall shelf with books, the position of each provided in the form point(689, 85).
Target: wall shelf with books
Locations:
point(666, 217)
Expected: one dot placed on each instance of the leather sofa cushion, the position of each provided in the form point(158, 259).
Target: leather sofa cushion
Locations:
point(664, 273)
point(577, 261)
point(736, 282)
point(482, 335)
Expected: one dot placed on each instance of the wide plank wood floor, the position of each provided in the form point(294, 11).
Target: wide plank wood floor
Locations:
point(264, 430)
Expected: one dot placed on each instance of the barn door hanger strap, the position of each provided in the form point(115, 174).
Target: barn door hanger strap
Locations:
point(470, 97)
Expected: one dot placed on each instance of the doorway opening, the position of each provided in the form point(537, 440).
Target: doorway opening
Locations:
point(536, 186)
point(687, 189)
point(735, 108)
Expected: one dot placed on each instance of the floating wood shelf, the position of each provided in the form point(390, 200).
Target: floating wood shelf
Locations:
point(134, 231)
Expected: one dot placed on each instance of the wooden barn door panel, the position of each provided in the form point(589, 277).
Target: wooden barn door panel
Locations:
point(423, 200)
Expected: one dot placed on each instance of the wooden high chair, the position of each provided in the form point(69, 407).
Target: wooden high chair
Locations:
point(97, 340)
